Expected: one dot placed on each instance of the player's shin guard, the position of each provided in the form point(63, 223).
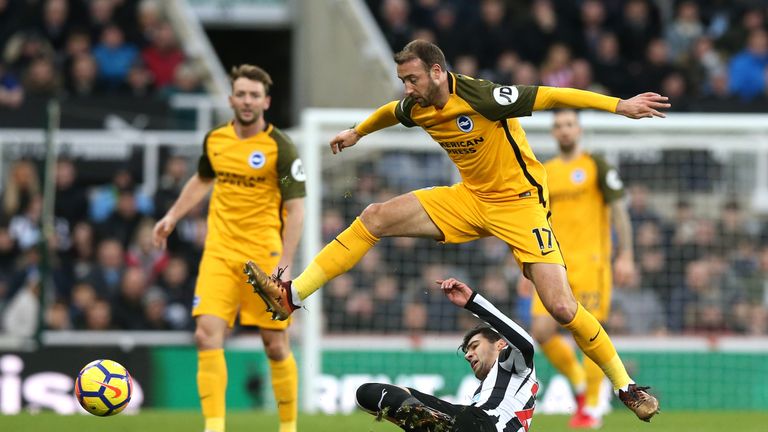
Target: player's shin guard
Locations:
point(595, 343)
point(336, 258)
point(595, 377)
point(562, 356)
point(285, 385)
point(212, 387)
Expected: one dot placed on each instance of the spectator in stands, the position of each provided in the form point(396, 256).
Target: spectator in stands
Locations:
point(71, 202)
point(675, 87)
point(639, 24)
point(491, 34)
point(149, 16)
point(526, 74)
point(610, 67)
point(23, 48)
point(101, 14)
point(20, 314)
point(123, 223)
point(11, 91)
point(733, 227)
point(387, 304)
point(9, 251)
point(57, 316)
point(139, 82)
point(747, 69)
point(466, 64)
point(83, 79)
point(636, 310)
point(176, 283)
point(41, 79)
point(114, 56)
point(20, 187)
point(82, 256)
point(163, 55)
point(104, 198)
point(448, 31)
point(24, 227)
point(142, 254)
point(556, 69)
point(336, 293)
point(593, 25)
point(170, 184)
point(82, 298)
point(655, 67)
point(702, 64)
point(54, 24)
point(78, 43)
point(394, 22)
point(155, 312)
point(186, 80)
point(540, 31)
point(582, 77)
point(684, 30)
point(128, 305)
point(737, 35)
point(9, 20)
point(107, 274)
point(98, 316)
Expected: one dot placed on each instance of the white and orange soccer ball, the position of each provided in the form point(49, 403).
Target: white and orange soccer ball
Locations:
point(103, 388)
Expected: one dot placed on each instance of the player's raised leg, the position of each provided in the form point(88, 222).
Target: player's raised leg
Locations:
point(552, 287)
point(211, 370)
point(401, 216)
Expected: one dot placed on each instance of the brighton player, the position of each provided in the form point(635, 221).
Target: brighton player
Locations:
point(503, 193)
point(585, 192)
point(256, 209)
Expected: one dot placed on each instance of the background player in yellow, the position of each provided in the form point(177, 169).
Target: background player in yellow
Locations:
point(502, 193)
point(585, 194)
point(256, 211)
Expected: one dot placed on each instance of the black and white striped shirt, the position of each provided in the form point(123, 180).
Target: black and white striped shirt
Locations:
point(508, 393)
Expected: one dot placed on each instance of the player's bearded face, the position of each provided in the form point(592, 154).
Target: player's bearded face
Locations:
point(248, 101)
point(566, 131)
point(418, 82)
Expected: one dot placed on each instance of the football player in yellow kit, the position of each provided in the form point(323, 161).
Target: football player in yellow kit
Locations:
point(585, 194)
point(256, 211)
point(503, 193)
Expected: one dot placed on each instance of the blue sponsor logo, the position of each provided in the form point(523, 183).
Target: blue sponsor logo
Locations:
point(257, 159)
point(578, 176)
point(464, 123)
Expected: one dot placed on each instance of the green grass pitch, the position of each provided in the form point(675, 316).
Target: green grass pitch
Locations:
point(239, 421)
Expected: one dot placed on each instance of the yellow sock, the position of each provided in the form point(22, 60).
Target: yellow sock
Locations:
point(563, 358)
point(594, 380)
point(337, 257)
point(212, 387)
point(285, 385)
point(595, 343)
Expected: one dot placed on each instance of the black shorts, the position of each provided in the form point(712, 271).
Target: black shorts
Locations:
point(466, 417)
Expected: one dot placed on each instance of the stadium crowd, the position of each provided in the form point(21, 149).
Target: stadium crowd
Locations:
point(78, 49)
point(697, 275)
point(706, 55)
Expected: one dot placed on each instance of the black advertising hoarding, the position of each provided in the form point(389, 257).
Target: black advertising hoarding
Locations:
point(44, 379)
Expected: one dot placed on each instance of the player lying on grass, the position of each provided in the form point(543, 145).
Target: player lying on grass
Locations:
point(501, 357)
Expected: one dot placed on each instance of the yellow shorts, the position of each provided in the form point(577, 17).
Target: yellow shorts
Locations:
point(591, 285)
point(222, 291)
point(522, 223)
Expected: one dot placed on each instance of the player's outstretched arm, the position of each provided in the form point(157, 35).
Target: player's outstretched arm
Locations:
point(194, 191)
point(641, 106)
point(383, 117)
point(463, 296)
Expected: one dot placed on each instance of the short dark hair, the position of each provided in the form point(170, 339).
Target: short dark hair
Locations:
point(427, 52)
point(483, 329)
point(251, 72)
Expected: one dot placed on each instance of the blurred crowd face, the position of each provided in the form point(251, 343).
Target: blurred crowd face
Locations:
point(110, 254)
point(55, 13)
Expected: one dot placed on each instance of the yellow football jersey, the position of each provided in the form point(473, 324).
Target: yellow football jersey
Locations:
point(477, 129)
point(253, 177)
point(580, 192)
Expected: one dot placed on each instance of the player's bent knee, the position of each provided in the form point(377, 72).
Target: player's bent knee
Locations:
point(563, 312)
point(373, 219)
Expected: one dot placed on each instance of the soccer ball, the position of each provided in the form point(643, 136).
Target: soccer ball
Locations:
point(103, 387)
